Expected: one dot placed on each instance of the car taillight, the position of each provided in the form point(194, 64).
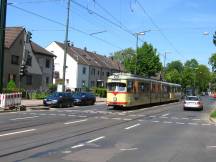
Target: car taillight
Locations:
point(198, 103)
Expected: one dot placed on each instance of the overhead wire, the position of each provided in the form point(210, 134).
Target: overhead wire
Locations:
point(59, 23)
point(158, 28)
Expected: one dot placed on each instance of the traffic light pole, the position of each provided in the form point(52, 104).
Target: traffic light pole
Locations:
point(2, 39)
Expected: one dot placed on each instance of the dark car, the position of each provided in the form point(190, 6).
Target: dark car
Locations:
point(59, 99)
point(84, 98)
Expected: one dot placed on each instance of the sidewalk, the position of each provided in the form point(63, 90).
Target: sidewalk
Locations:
point(32, 103)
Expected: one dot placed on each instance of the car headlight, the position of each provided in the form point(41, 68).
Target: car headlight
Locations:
point(54, 101)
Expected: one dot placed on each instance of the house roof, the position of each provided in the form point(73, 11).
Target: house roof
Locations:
point(37, 49)
point(11, 34)
point(91, 58)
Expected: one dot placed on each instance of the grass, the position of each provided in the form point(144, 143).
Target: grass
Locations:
point(213, 114)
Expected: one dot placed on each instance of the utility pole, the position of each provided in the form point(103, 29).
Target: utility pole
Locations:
point(3, 12)
point(66, 45)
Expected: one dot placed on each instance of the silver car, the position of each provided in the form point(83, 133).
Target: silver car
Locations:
point(193, 102)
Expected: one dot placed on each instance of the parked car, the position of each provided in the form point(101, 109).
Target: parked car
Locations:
point(84, 98)
point(193, 102)
point(59, 99)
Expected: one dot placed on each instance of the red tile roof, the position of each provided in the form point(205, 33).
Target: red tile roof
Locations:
point(11, 34)
point(37, 49)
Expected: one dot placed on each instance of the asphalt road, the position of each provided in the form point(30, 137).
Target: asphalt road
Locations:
point(163, 133)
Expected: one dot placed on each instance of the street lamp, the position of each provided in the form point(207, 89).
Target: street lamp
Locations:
point(137, 39)
point(164, 71)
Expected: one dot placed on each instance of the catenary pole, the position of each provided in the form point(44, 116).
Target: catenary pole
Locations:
point(3, 12)
point(66, 45)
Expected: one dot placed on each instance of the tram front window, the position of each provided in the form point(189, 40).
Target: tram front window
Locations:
point(117, 87)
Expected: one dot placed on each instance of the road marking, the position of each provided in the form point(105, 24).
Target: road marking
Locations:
point(77, 146)
point(30, 117)
point(141, 115)
point(129, 149)
point(62, 114)
point(127, 119)
point(174, 118)
point(104, 117)
point(185, 118)
point(96, 139)
point(192, 123)
point(117, 118)
point(209, 147)
point(19, 132)
point(42, 114)
point(167, 122)
point(66, 152)
point(136, 125)
point(52, 114)
point(165, 115)
point(205, 124)
point(132, 115)
point(180, 123)
point(196, 119)
point(71, 115)
point(78, 121)
point(155, 121)
point(152, 116)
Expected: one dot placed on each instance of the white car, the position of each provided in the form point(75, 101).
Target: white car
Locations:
point(193, 102)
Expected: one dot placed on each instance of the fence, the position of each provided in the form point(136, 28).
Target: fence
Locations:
point(10, 100)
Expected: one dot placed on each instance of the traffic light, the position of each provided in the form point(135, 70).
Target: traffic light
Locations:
point(28, 37)
point(214, 39)
point(23, 70)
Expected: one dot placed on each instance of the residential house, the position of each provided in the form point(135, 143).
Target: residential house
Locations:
point(84, 68)
point(21, 51)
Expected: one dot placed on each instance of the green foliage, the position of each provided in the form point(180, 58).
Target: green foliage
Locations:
point(177, 65)
point(38, 95)
point(214, 38)
point(11, 87)
point(147, 61)
point(193, 64)
point(101, 92)
point(212, 62)
point(52, 87)
point(213, 114)
point(173, 76)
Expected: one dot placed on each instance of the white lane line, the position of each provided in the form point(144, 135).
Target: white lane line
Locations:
point(29, 117)
point(132, 115)
point(155, 121)
point(117, 118)
point(127, 119)
point(77, 146)
point(152, 116)
point(165, 115)
point(140, 120)
point(167, 122)
point(96, 139)
point(180, 123)
point(196, 119)
point(174, 118)
point(209, 147)
point(185, 118)
point(205, 124)
point(136, 125)
point(71, 115)
point(19, 132)
point(128, 149)
point(193, 123)
point(78, 121)
point(66, 152)
point(42, 114)
point(141, 115)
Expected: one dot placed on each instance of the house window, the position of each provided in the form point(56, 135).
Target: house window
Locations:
point(47, 63)
point(29, 61)
point(84, 70)
point(83, 83)
point(93, 72)
point(14, 59)
point(102, 73)
point(67, 81)
point(29, 80)
point(108, 74)
point(56, 74)
point(47, 80)
point(98, 72)
point(92, 83)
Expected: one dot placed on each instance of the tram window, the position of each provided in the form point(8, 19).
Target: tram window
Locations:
point(142, 87)
point(117, 87)
point(130, 86)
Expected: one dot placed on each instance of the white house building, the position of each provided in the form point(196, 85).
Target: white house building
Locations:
point(84, 68)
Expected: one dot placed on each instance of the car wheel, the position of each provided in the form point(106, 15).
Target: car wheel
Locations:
point(60, 105)
point(93, 102)
point(185, 108)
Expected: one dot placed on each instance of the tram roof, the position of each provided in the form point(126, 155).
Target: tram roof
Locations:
point(136, 77)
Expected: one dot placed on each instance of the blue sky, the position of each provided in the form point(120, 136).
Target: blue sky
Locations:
point(176, 26)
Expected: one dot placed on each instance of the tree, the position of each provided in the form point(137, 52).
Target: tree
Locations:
point(147, 61)
point(125, 57)
point(173, 76)
point(212, 62)
point(11, 86)
point(214, 38)
point(193, 64)
point(175, 65)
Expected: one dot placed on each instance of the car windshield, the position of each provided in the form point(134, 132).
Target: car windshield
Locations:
point(56, 94)
point(117, 87)
point(78, 94)
point(192, 98)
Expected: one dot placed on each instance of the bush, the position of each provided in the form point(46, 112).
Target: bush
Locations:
point(52, 87)
point(11, 87)
point(101, 92)
point(39, 95)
